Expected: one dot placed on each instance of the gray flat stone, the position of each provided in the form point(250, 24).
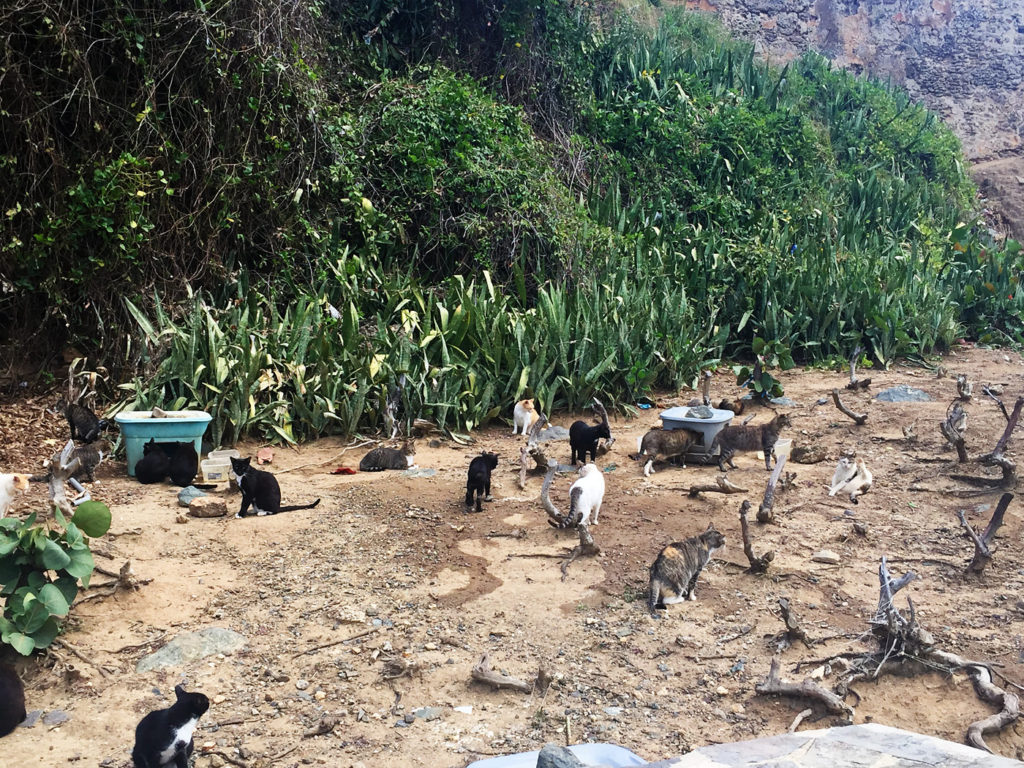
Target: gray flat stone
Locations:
point(186, 495)
point(553, 433)
point(554, 756)
point(57, 717)
point(901, 393)
point(855, 746)
point(192, 646)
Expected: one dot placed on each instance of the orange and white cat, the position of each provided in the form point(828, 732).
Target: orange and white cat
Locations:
point(524, 415)
point(9, 486)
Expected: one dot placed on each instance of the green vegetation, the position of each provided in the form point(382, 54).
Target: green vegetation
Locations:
point(289, 208)
point(41, 567)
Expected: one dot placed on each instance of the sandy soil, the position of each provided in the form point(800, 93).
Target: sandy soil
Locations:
point(425, 588)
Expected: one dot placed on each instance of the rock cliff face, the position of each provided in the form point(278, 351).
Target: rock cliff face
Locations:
point(964, 59)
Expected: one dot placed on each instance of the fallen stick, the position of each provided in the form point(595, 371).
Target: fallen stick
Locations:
point(66, 646)
point(953, 429)
point(999, 402)
point(721, 485)
point(348, 639)
point(793, 629)
point(808, 689)
point(854, 383)
point(799, 719)
point(859, 418)
point(483, 673)
point(997, 457)
point(982, 549)
point(981, 678)
point(586, 548)
point(331, 460)
point(757, 564)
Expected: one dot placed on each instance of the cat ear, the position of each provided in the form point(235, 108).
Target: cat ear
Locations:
point(711, 527)
point(179, 690)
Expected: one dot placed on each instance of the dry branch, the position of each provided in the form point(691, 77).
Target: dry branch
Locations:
point(483, 673)
point(982, 680)
point(599, 409)
point(999, 402)
point(705, 387)
point(533, 449)
point(794, 631)
point(854, 382)
point(586, 548)
point(62, 467)
point(997, 457)
point(721, 485)
point(545, 497)
point(808, 689)
point(982, 548)
point(964, 388)
point(859, 418)
point(765, 513)
point(757, 564)
point(953, 429)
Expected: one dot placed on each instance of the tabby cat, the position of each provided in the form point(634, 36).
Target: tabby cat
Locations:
point(675, 571)
point(383, 458)
point(667, 443)
point(260, 490)
point(749, 438)
point(84, 424)
point(89, 457)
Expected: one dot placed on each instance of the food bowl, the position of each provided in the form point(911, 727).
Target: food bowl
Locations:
point(679, 418)
point(139, 427)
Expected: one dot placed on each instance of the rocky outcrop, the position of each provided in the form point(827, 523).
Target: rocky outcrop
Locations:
point(963, 60)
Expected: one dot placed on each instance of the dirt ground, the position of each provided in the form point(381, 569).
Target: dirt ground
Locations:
point(426, 588)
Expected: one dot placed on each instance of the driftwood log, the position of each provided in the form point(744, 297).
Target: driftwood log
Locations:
point(721, 485)
point(765, 512)
point(858, 418)
point(757, 564)
point(62, 467)
point(586, 548)
point(483, 673)
point(964, 388)
point(808, 689)
point(533, 450)
point(989, 393)
point(705, 387)
point(982, 544)
point(953, 429)
point(793, 631)
point(856, 383)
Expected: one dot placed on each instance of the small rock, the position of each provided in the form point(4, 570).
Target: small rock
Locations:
point(320, 695)
point(219, 699)
point(264, 455)
point(554, 756)
point(737, 709)
point(57, 717)
point(613, 711)
point(860, 528)
point(826, 556)
point(901, 393)
point(722, 690)
point(428, 713)
point(302, 684)
point(207, 506)
point(186, 495)
point(191, 646)
point(181, 518)
point(699, 412)
point(785, 402)
point(808, 454)
point(32, 718)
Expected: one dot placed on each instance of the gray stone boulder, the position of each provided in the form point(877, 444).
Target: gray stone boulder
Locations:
point(192, 646)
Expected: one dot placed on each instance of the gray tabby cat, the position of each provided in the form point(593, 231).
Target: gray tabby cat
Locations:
point(749, 438)
point(89, 457)
point(383, 458)
point(675, 571)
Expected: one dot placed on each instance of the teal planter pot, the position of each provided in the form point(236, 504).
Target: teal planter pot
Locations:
point(139, 427)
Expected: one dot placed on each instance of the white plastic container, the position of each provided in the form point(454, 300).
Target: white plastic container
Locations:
point(216, 470)
point(225, 454)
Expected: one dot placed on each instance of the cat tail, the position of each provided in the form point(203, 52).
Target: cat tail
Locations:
point(653, 596)
point(572, 518)
point(299, 506)
point(39, 478)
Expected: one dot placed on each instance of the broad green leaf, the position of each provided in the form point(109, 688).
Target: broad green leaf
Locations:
point(54, 600)
point(53, 555)
point(93, 517)
point(23, 644)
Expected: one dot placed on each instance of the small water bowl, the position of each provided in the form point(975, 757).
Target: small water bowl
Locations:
point(139, 427)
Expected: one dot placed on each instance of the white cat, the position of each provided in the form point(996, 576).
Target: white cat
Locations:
point(586, 495)
point(524, 415)
point(852, 477)
point(9, 487)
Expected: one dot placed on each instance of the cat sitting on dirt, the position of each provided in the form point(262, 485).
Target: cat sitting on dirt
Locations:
point(479, 478)
point(260, 490)
point(10, 486)
point(851, 477)
point(524, 415)
point(380, 459)
point(667, 443)
point(585, 498)
point(84, 424)
point(749, 438)
point(164, 737)
point(675, 571)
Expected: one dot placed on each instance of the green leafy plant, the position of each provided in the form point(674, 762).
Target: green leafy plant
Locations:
point(770, 354)
point(41, 567)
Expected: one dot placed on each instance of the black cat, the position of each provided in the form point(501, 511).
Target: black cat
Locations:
point(12, 700)
point(184, 463)
point(85, 425)
point(155, 464)
point(479, 478)
point(164, 737)
point(583, 439)
point(261, 490)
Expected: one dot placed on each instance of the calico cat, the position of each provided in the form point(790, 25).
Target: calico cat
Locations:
point(261, 490)
point(667, 443)
point(10, 485)
point(675, 571)
point(184, 463)
point(12, 700)
point(749, 438)
point(479, 479)
point(585, 498)
point(84, 424)
point(164, 737)
point(524, 415)
point(583, 439)
point(155, 464)
point(383, 458)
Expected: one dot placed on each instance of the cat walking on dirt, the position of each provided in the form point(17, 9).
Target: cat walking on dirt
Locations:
point(675, 571)
point(479, 478)
point(667, 443)
point(749, 438)
point(585, 498)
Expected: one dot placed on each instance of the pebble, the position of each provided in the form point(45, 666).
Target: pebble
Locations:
point(320, 695)
point(302, 684)
point(219, 699)
point(737, 709)
point(826, 556)
point(722, 690)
